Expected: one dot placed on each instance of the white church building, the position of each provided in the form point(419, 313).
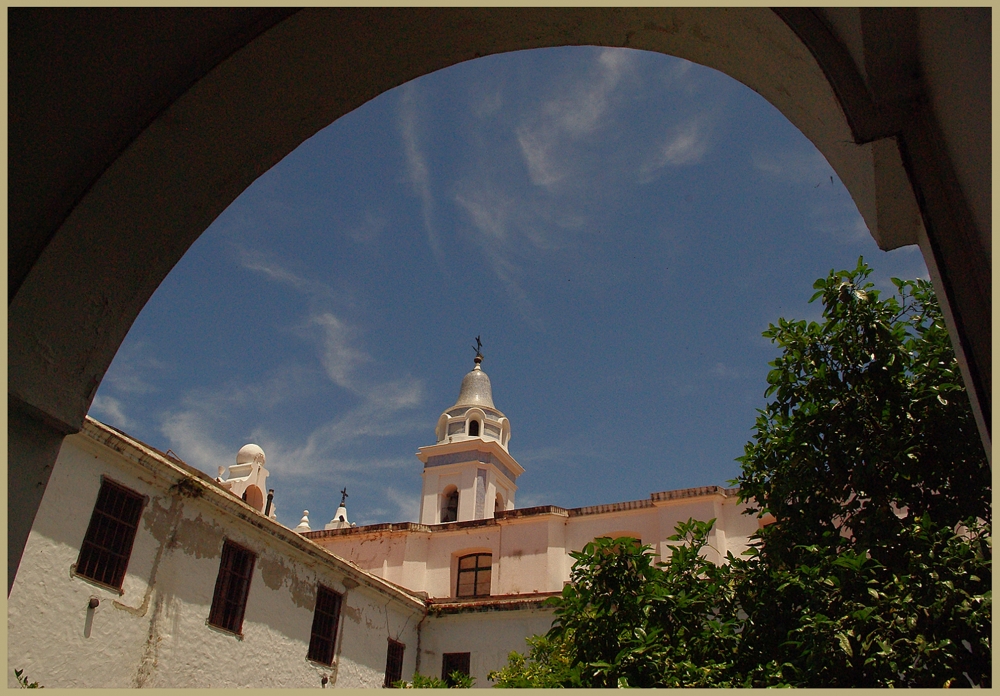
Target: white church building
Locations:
point(141, 570)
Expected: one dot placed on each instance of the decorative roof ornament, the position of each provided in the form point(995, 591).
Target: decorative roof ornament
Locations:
point(340, 520)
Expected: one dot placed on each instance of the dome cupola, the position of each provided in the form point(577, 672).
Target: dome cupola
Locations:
point(474, 416)
point(476, 388)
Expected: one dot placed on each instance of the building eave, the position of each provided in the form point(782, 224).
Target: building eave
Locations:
point(191, 482)
point(470, 605)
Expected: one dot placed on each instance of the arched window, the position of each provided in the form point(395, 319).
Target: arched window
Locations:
point(473, 428)
point(254, 497)
point(498, 505)
point(474, 573)
point(449, 505)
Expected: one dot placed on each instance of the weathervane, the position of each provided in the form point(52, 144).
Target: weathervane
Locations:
point(343, 495)
point(479, 348)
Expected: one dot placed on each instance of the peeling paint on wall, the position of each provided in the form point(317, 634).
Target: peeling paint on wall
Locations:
point(352, 613)
point(277, 575)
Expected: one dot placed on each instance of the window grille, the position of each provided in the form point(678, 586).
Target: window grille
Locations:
point(324, 628)
point(474, 573)
point(394, 663)
point(107, 545)
point(232, 587)
point(454, 662)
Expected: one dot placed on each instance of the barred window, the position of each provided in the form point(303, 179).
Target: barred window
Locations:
point(454, 662)
point(232, 587)
point(394, 663)
point(107, 545)
point(474, 573)
point(324, 628)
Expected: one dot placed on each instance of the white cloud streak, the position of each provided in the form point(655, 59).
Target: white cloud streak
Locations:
point(416, 164)
point(255, 261)
point(686, 144)
point(497, 237)
point(583, 110)
point(108, 409)
point(339, 357)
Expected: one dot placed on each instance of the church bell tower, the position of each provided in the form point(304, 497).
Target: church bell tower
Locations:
point(469, 474)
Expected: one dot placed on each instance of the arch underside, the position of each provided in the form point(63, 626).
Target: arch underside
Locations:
point(267, 81)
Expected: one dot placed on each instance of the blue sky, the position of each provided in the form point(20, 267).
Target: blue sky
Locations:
point(618, 226)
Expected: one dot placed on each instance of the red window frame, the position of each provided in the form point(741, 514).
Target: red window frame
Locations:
point(232, 587)
point(107, 544)
point(326, 617)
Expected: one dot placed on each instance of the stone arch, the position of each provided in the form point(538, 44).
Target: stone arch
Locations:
point(885, 95)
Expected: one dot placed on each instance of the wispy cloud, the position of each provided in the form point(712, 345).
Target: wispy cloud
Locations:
point(378, 416)
point(486, 104)
point(191, 429)
point(416, 165)
point(108, 409)
point(339, 356)
point(403, 507)
point(256, 261)
point(371, 228)
point(336, 340)
point(685, 144)
point(188, 433)
point(133, 366)
point(582, 109)
point(499, 240)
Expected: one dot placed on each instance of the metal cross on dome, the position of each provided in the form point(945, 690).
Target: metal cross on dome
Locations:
point(479, 348)
point(343, 495)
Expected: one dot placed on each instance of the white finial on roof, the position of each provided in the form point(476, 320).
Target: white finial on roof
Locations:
point(339, 520)
point(304, 523)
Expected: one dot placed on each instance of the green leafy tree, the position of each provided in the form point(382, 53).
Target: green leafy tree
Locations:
point(869, 419)
point(546, 666)
point(625, 620)
point(877, 568)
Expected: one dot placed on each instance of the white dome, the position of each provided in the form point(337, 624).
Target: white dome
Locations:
point(250, 453)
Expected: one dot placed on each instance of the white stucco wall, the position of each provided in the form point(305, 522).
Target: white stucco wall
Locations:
point(155, 633)
point(489, 636)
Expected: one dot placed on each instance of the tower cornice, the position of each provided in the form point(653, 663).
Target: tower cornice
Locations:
point(491, 447)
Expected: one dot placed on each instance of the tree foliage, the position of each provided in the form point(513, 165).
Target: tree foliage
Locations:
point(877, 568)
point(869, 419)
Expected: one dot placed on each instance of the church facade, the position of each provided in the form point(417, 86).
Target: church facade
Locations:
point(143, 571)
